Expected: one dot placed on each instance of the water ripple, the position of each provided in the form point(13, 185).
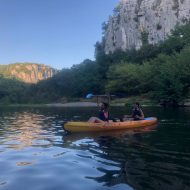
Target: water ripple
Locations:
point(36, 153)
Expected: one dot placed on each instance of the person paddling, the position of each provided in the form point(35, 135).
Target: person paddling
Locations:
point(103, 115)
point(137, 113)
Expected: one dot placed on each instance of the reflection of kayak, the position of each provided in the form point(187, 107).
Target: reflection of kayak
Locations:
point(108, 126)
point(72, 137)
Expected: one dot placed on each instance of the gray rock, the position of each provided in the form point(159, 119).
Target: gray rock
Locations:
point(151, 20)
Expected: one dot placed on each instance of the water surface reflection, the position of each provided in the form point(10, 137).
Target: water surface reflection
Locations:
point(35, 152)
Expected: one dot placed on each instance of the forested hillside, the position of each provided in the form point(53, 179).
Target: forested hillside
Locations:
point(161, 72)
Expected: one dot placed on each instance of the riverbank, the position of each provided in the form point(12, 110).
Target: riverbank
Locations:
point(118, 102)
point(68, 104)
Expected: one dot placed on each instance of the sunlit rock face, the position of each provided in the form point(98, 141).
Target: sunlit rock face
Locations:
point(135, 20)
point(27, 72)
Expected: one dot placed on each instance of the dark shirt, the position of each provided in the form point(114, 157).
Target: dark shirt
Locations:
point(136, 112)
point(102, 116)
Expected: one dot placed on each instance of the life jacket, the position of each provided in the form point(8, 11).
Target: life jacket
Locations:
point(104, 116)
point(137, 112)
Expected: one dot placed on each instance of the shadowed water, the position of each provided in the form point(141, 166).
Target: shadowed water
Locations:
point(36, 153)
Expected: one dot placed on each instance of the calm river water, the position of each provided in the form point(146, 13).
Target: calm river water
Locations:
point(36, 153)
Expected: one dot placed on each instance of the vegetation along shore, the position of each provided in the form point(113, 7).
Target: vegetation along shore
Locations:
point(159, 71)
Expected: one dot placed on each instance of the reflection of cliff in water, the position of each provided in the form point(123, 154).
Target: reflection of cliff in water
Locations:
point(142, 164)
point(26, 129)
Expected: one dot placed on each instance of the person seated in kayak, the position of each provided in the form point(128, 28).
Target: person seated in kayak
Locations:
point(137, 113)
point(103, 115)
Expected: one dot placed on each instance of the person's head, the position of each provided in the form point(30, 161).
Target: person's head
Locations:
point(104, 106)
point(136, 105)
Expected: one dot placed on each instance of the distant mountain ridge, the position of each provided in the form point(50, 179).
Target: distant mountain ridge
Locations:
point(27, 72)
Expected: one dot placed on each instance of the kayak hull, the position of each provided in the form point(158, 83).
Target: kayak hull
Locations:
point(108, 126)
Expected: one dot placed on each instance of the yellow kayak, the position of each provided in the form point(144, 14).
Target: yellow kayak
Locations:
point(108, 126)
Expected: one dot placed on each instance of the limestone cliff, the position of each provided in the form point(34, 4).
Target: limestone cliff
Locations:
point(135, 22)
point(27, 72)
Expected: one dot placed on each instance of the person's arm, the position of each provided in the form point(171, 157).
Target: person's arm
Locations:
point(142, 114)
point(132, 114)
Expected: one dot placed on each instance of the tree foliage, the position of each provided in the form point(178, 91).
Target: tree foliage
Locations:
point(166, 77)
point(161, 71)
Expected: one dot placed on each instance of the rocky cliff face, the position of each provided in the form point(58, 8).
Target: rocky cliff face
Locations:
point(143, 21)
point(27, 72)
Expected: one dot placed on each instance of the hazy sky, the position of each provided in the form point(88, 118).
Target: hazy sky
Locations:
point(58, 33)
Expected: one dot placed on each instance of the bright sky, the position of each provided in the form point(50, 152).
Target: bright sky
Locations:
point(58, 33)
